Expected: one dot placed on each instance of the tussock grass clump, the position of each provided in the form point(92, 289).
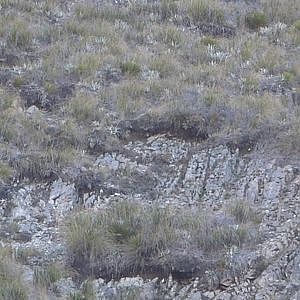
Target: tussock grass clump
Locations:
point(243, 212)
point(165, 64)
point(209, 40)
point(45, 164)
point(131, 68)
point(11, 286)
point(129, 239)
point(256, 19)
point(297, 25)
point(6, 3)
point(119, 240)
point(257, 112)
point(23, 255)
point(87, 292)
point(290, 140)
point(271, 60)
point(48, 275)
point(84, 107)
point(286, 11)
point(19, 36)
point(130, 98)
point(205, 11)
point(87, 64)
point(101, 12)
point(5, 171)
point(168, 9)
point(170, 36)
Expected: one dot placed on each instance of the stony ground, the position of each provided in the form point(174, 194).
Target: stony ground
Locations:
point(174, 173)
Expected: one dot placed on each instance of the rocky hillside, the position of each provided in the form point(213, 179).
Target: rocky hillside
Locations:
point(149, 149)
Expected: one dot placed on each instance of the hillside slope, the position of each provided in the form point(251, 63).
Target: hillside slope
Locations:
point(149, 149)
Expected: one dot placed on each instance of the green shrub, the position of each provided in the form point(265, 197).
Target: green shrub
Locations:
point(50, 87)
point(255, 20)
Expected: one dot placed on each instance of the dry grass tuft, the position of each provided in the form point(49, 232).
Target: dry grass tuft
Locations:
point(129, 239)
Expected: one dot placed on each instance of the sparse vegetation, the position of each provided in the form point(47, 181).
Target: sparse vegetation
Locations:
point(128, 239)
point(72, 73)
point(243, 212)
point(23, 255)
point(205, 11)
point(11, 286)
point(19, 36)
point(152, 60)
point(46, 276)
point(85, 107)
point(170, 36)
point(286, 11)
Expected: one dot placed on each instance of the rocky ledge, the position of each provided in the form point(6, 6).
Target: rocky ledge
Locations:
point(172, 173)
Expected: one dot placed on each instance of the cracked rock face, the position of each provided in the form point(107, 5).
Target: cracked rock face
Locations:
point(174, 173)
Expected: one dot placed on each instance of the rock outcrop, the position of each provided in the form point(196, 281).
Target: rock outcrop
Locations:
point(177, 173)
